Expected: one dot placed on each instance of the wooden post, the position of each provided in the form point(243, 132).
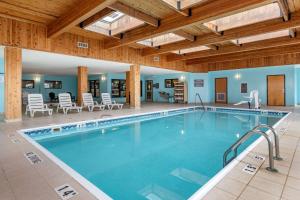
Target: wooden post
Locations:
point(13, 84)
point(82, 75)
point(135, 90)
point(128, 87)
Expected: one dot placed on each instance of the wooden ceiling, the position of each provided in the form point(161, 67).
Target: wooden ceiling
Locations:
point(60, 16)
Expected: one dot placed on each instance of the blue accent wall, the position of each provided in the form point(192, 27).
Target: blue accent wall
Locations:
point(256, 78)
point(203, 91)
point(1, 85)
point(297, 85)
point(189, 78)
point(160, 79)
point(69, 84)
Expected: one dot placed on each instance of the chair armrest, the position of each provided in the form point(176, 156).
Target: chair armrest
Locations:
point(114, 101)
point(96, 103)
point(74, 104)
point(45, 106)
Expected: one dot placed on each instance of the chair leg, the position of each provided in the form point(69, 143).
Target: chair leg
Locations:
point(31, 113)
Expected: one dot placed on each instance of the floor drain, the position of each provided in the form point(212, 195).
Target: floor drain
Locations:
point(33, 158)
point(65, 191)
point(250, 169)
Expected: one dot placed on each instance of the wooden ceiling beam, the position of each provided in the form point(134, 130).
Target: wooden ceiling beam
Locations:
point(275, 42)
point(284, 8)
point(273, 51)
point(185, 35)
point(77, 14)
point(99, 15)
point(235, 33)
point(184, 12)
point(199, 14)
point(293, 32)
point(135, 13)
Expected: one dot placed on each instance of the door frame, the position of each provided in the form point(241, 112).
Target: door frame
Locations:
point(146, 81)
point(284, 100)
point(226, 89)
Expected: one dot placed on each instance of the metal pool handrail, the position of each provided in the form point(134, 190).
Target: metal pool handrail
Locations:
point(276, 139)
point(198, 95)
point(240, 141)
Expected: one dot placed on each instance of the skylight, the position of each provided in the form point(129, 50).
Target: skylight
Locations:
point(263, 13)
point(114, 23)
point(161, 40)
point(260, 37)
point(112, 17)
point(181, 4)
point(189, 50)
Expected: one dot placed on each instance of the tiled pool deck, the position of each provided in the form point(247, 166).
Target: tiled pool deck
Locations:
point(19, 180)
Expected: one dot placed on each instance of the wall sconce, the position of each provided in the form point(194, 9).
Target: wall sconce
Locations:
point(237, 76)
point(103, 78)
point(37, 79)
point(182, 78)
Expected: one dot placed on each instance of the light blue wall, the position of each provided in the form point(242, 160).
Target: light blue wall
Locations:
point(160, 79)
point(189, 78)
point(297, 86)
point(1, 85)
point(69, 84)
point(203, 91)
point(256, 78)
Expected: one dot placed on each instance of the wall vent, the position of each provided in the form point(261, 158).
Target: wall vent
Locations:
point(83, 45)
point(156, 58)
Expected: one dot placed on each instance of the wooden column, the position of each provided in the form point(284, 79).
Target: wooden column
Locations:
point(82, 81)
point(13, 84)
point(135, 90)
point(128, 87)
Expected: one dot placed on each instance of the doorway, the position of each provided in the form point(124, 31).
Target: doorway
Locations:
point(221, 90)
point(276, 90)
point(149, 90)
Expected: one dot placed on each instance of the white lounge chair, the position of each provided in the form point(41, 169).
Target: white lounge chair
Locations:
point(88, 101)
point(66, 104)
point(106, 101)
point(36, 104)
point(253, 96)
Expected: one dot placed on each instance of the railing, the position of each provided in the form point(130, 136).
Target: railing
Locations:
point(256, 130)
point(200, 99)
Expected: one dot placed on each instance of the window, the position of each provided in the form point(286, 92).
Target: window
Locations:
point(118, 88)
point(94, 88)
point(260, 37)
point(114, 23)
point(263, 13)
point(189, 50)
point(52, 84)
point(161, 40)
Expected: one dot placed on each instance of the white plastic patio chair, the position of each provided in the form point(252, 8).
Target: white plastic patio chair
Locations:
point(88, 101)
point(36, 104)
point(106, 101)
point(66, 104)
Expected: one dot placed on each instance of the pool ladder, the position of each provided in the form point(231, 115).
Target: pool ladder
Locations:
point(256, 130)
point(200, 99)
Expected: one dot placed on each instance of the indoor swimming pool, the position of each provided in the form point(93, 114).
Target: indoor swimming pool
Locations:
point(166, 155)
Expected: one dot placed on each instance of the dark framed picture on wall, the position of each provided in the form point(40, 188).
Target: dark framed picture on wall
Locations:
point(169, 83)
point(244, 88)
point(52, 84)
point(198, 83)
point(28, 84)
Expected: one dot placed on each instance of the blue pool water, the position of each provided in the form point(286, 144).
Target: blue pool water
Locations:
point(166, 158)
